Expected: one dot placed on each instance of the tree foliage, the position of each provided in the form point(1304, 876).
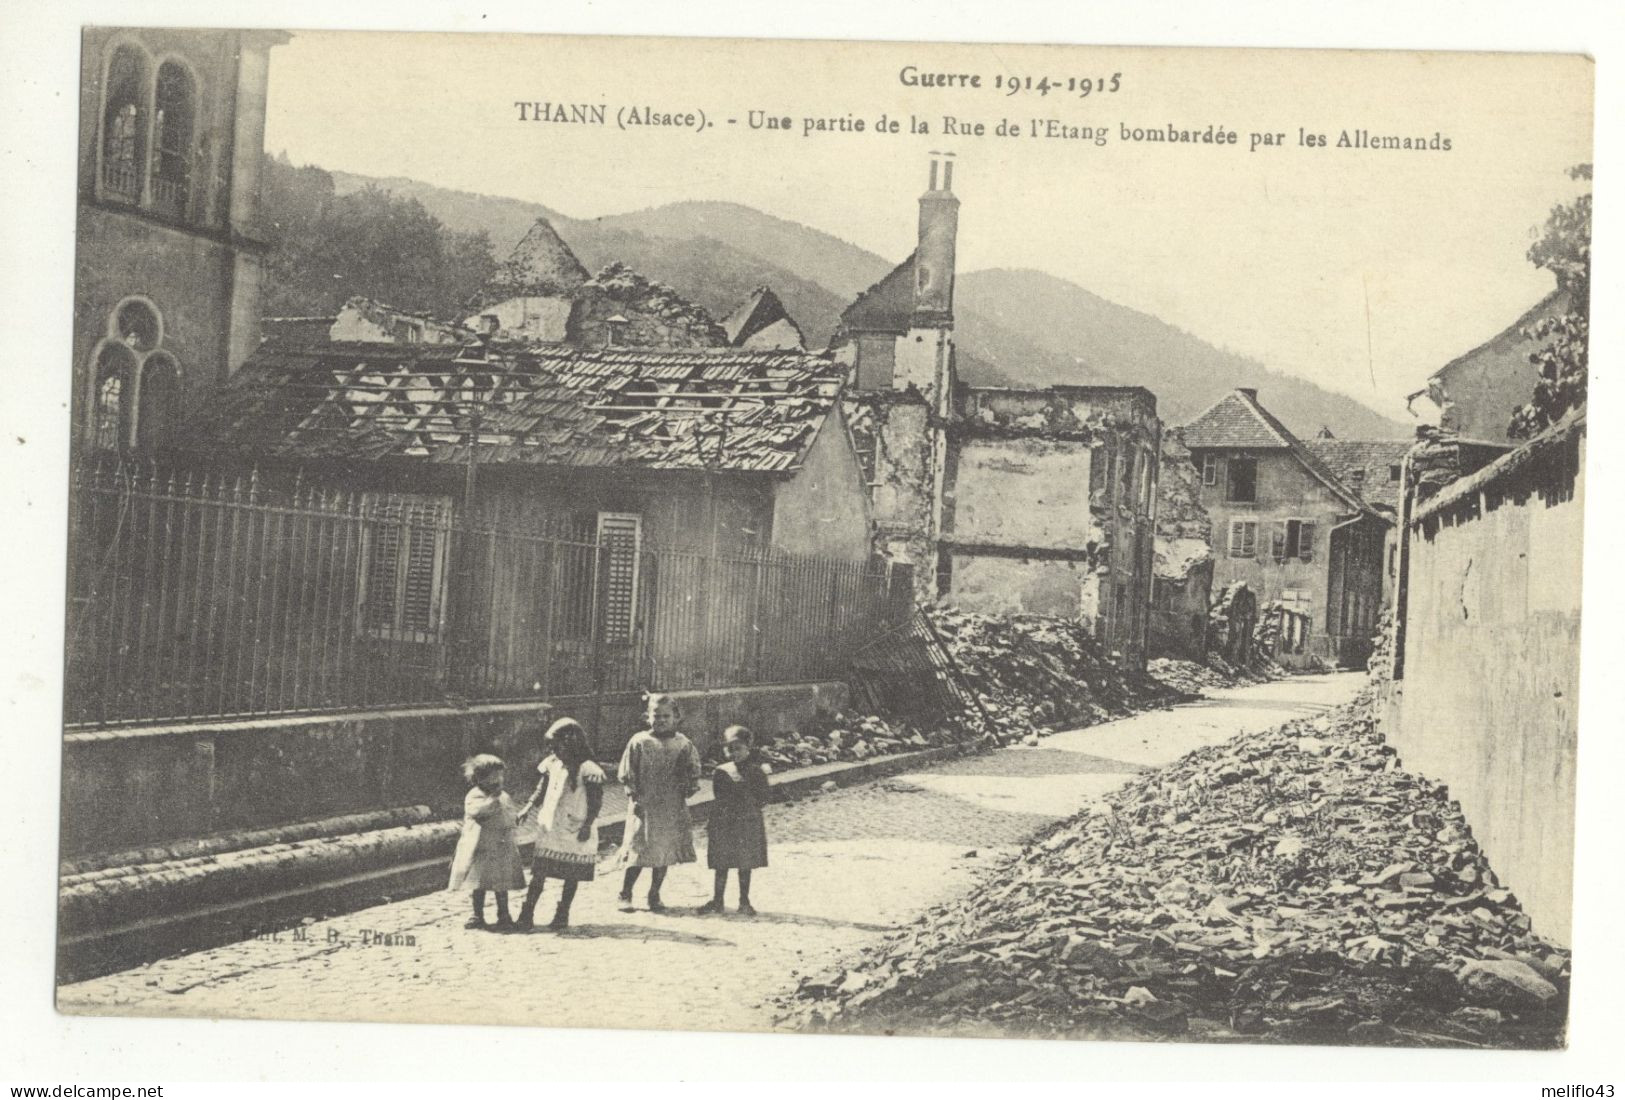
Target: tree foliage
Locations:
point(327, 248)
point(1564, 249)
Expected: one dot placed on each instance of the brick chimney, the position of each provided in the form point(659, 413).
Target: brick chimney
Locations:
point(934, 258)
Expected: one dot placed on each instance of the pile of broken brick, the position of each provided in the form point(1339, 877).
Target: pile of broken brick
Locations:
point(1031, 675)
point(1191, 678)
point(840, 736)
point(1293, 885)
point(1040, 673)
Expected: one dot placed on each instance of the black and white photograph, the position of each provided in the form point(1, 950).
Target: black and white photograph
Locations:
point(832, 538)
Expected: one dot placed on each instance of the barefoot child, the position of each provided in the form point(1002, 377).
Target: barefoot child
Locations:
point(660, 769)
point(487, 855)
point(737, 839)
point(570, 793)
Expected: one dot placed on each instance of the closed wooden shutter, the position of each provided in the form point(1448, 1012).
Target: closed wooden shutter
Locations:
point(1306, 541)
point(404, 567)
point(619, 539)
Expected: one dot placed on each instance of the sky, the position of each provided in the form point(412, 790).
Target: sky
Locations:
point(1363, 270)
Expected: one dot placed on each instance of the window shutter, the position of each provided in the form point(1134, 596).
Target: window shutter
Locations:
point(403, 581)
point(1306, 541)
point(1278, 543)
point(619, 537)
point(1210, 469)
point(384, 542)
point(421, 571)
point(1243, 538)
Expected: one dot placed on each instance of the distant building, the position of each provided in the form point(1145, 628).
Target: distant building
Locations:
point(166, 301)
point(1308, 545)
point(1474, 395)
point(619, 307)
point(541, 293)
point(1373, 468)
point(1004, 500)
point(531, 294)
point(761, 321)
point(374, 322)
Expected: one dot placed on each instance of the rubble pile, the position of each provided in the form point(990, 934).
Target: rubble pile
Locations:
point(1289, 886)
point(1037, 673)
point(1191, 678)
point(1380, 665)
point(840, 736)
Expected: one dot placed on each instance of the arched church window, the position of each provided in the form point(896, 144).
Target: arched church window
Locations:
point(176, 110)
point(137, 324)
point(115, 365)
point(124, 130)
point(159, 399)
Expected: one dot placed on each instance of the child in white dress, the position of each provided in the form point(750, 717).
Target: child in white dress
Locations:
point(570, 793)
point(487, 856)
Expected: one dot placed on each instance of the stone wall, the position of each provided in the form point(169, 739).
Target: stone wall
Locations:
point(1487, 689)
point(154, 784)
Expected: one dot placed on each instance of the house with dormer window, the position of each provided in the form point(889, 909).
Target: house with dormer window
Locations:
point(1306, 541)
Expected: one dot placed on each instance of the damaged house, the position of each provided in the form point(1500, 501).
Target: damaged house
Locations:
point(489, 521)
point(530, 295)
point(1310, 547)
point(1004, 500)
point(761, 321)
point(1182, 581)
point(541, 293)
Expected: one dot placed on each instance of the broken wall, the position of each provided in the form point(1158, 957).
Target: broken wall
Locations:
point(374, 322)
point(1487, 677)
point(656, 315)
point(897, 450)
point(532, 317)
point(1000, 585)
point(1024, 492)
point(1060, 484)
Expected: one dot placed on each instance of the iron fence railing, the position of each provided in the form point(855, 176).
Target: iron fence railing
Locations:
point(198, 596)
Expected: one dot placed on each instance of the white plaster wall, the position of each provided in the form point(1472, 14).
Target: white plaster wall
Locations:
point(1023, 492)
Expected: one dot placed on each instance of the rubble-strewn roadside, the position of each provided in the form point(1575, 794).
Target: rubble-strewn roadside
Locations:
point(1288, 886)
point(1192, 678)
point(845, 737)
point(1038, 673)
point(1033, 675)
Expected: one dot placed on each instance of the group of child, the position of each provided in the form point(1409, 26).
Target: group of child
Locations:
point(660, 769)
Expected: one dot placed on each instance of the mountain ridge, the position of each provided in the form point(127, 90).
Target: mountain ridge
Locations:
point(1014, 326)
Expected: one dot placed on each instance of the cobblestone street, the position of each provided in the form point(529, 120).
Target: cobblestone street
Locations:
point(847, 867)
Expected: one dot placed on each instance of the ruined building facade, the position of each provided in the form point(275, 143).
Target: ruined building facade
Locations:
point(1003, 500)
point(166, 302)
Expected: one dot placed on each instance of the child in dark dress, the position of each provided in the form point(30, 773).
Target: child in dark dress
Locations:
point(737, 838)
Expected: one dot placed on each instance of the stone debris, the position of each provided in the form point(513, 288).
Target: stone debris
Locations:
point(1192, 678)
point(1293, 885)
point(1038, 673)
point(1031, 674)
point(839, 736)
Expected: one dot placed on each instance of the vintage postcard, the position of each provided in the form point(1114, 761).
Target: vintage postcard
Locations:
point(746, 535)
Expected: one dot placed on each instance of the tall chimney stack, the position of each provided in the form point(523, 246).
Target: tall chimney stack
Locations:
point(934, 258)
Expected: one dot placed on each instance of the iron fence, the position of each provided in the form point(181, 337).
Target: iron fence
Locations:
point(198, 596)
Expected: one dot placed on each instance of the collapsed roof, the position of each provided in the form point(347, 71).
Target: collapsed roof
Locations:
point(543, 405)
